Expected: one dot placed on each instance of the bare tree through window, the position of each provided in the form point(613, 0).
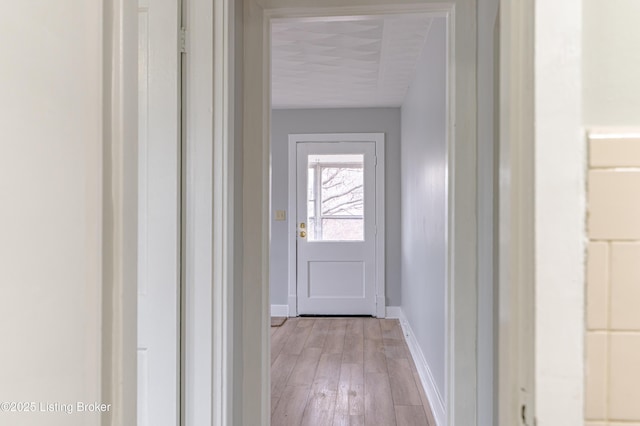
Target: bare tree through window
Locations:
point(336, 190)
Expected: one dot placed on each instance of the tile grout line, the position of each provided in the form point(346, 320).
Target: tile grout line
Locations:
point(607, 355)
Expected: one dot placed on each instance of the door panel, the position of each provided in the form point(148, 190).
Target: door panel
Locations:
point(336, 228)
point(158, 213)
point(322, 282)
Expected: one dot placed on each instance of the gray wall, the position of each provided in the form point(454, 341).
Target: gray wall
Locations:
point(238, 235)
point(347, 120)
point(487, 134)
point(424, 168)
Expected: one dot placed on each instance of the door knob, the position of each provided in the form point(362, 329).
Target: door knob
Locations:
point(303, 234)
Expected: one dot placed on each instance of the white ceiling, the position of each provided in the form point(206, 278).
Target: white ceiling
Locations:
point(359, 62)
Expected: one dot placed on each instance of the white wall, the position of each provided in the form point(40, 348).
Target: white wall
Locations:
point(50, 219)
point(560, 162)
point(424, 201)
point(347, 120)
point(611, 63)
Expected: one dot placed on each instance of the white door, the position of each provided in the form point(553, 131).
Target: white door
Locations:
point(159, 217)
point(336, 223)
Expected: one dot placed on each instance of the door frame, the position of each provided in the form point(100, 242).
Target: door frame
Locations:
point(174, 10)
point(119, 233)
point(378, 139)
point(208, 122)
point(516, 230)
point(120, 200)
point(461, 305)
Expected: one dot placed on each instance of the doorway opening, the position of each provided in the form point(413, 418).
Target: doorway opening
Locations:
point(119, 349)
point(336, 250)
point(360, 109)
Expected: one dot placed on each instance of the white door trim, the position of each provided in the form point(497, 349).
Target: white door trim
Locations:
point(378, 139)
point(516, 241)
point(461, 366)
point(120, 210)
point(208, 387)
point(209, 188)
point(160, 214)
point(209, 207)
point(223, 216)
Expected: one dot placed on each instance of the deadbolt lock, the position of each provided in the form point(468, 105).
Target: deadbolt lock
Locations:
point(302, 225)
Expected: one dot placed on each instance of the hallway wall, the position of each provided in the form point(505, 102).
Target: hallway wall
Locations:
point(51, 153)
point(344, 120)
point(424, 203)
point(557, 213)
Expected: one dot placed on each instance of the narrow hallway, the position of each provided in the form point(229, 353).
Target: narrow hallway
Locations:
point(344, 371)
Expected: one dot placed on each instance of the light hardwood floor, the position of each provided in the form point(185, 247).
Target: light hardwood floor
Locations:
point(344, 371)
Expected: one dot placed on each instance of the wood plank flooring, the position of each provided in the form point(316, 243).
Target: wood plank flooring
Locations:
point(344, 372)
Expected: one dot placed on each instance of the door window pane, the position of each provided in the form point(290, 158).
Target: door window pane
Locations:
point(351, 229)
point(335, 197)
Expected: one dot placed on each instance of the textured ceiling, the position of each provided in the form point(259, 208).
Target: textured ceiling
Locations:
point(347, 63)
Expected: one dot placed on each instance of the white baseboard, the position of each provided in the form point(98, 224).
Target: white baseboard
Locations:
point(428, 383)
point(393, 312)
point(279, 310)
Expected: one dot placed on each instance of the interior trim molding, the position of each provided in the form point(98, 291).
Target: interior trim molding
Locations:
point(436, 401)
point(280, 310)
point(120, 210)
point(393, 312)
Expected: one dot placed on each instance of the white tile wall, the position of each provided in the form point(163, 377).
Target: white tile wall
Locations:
point(612, 394)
